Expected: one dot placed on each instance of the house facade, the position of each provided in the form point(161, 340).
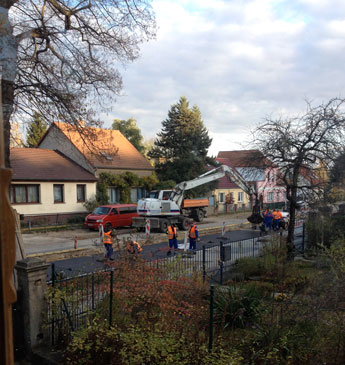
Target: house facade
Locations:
point(99, 151)
point(256, 170)
point(47, 187)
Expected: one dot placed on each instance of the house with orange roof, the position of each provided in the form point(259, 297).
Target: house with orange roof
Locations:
point(99, 151)
point(47, 187)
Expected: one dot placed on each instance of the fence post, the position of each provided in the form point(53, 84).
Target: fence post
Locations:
point(111, 297)
point(253, 247)
point(221, 262)
point(93, 290)
point(210, 342)
point(32, 274)
point(203, 263)
point(303, 233)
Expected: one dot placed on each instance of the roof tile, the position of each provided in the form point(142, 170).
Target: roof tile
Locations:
point(37, 164)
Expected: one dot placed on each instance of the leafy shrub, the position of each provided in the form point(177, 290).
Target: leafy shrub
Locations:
point(91, 204)
point(135, 346)
point(237, 306)
point(250, 266)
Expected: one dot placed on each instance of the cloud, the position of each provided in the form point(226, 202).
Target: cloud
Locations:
point(238, 60)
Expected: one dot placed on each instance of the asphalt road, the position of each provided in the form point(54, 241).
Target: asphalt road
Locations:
point(86, 264)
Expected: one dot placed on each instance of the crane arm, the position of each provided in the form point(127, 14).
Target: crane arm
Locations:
point(215, 174)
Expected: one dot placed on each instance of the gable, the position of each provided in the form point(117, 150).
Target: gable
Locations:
point(105, 148)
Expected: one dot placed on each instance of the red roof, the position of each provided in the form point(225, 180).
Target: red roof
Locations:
point(104, 148)
point(244, 158)
point(225, 182)
point(37, 164)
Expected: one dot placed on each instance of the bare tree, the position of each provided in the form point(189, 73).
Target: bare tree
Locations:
point(59, 57)
point(298, 145)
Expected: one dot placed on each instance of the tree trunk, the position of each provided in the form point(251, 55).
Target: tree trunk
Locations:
point(8, 63)
point(292, 213)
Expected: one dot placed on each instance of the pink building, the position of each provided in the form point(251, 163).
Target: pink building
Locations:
point(257, 170)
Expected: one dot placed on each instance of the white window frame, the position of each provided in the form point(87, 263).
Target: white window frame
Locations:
point(221, 197)
point(270, 196)
point(240, 196)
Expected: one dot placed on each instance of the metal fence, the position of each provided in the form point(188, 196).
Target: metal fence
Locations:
point(72, 302)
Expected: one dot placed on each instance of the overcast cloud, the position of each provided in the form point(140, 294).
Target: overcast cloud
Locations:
point(238, 61)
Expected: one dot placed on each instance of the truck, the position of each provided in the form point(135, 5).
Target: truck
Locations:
point(165, 207)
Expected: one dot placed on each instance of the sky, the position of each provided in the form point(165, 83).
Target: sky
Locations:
point(239, 61)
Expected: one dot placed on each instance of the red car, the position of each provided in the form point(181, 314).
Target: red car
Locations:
point(111, 216)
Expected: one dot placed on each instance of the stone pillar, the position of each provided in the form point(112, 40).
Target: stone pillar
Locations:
point(32, 283)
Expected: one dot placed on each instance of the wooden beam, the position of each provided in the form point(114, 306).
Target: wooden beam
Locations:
point(7, 256)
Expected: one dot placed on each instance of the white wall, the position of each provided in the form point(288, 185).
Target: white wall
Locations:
point(47, 205)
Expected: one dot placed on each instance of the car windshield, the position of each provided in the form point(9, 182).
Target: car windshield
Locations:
point(154, 194)
point(101, 211)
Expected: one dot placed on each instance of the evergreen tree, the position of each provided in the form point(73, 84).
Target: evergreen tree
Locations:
point(180, 151)
point(35, 130)
point(131, 131)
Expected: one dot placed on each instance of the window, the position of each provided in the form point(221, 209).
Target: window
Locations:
point(25, 194)
point(123, 210)
point(240, 196)
point(270, 197)
point(113, 194)
point(58, 193)
point(166, 195)
point(221, 197)
point(138, 193)
point(81, 193)
point(114, 211)
point(278, 196)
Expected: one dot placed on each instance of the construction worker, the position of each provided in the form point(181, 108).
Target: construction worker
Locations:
point(108, 245)
point(133, 248)
point(268, 218)
point(193, 237)
point(172, 235)
point(275, 219)
point(280, 219)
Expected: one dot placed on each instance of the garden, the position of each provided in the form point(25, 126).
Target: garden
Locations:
point(269, 310)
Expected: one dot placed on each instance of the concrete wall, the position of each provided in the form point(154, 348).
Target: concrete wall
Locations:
point(47, 205)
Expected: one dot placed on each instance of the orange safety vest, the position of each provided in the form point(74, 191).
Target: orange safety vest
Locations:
point(280, 215)
point(275, 215)
point(133, 246)
point(107, 240)
point(192, 231)
point(172, 231)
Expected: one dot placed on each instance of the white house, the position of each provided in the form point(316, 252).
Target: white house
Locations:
point(47, 187)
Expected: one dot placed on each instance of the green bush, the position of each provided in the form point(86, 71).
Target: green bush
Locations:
point(137, 346)
point(250, 266)
point(237, 306)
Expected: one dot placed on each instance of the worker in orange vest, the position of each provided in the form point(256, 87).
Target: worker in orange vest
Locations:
point(172, 235)
point(193, 237)
point(133, 248)
point(108, 244)
point(276, 218)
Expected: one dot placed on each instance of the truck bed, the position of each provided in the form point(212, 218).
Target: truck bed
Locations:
point(195, 203)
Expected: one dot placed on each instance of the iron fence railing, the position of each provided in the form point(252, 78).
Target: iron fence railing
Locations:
point(72, 302)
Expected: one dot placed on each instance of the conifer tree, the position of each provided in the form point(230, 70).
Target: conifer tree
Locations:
point(180, 151)
point(35, 130)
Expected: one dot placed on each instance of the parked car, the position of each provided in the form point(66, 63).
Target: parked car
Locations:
point(111, 216)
